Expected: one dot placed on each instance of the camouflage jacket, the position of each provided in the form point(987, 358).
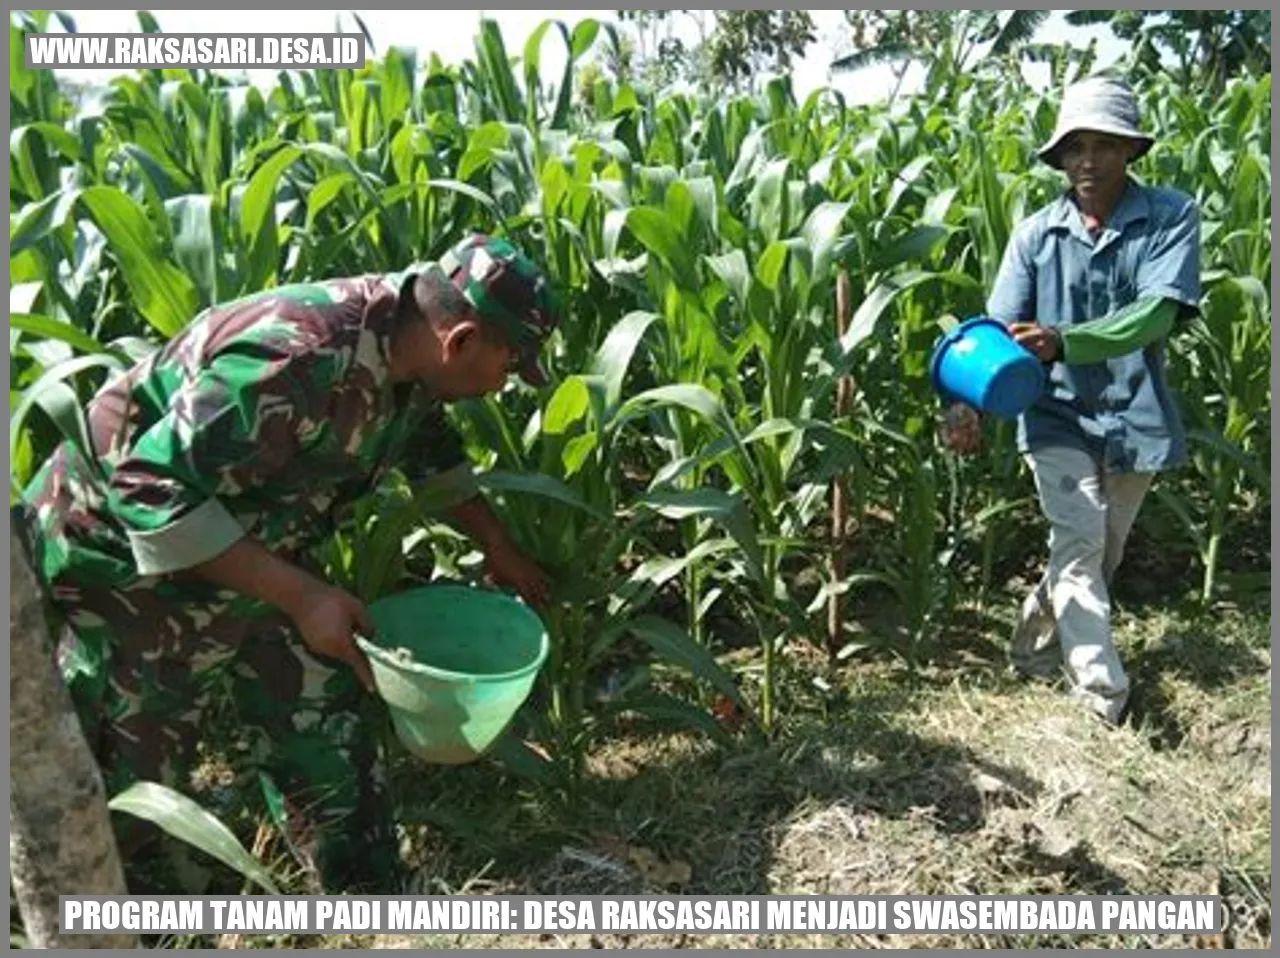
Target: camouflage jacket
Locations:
point(258, 419)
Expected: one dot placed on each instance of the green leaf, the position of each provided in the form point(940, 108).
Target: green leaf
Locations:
point(669, 712)
point(51, 328)
point(533, 59)
point(521, 760)
point(614, 356)
point(733, 270)
point(197, 243)
point(34, 221)
point(326, 192)
point(879, 299)
point(537, 485)
point(662, 569)
point(821, 231)
point(60, 403)
point(771, 264)
point(21, 80)
point(1256, 472)
point(1182, 511)
point(259, 241)
point(769, 201)
point(680, 208)
point(674, 645)
point(165, 177)
point(187, 821)
point(397, 83)
point(56, 136)
point(162, 293)
point(576, 451)
point(695, 398)
point(568, 405)
point(277, 807)
point(463, 189)
point(683, 503)
point(916, 244)
point(495, 70)
point(726, 508)
point(904, 180)
point(584, 35)
point(935, 211)
point(653, 229)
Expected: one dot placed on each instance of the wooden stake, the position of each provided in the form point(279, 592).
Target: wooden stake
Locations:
point(839, 484)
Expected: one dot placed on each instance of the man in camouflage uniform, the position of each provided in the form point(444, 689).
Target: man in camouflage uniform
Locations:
point(179, 558)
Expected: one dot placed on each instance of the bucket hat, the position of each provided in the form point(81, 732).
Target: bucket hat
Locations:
point(1101, 104)
point(508, 290)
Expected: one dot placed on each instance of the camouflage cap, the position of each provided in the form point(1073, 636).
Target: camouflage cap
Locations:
point(508, 290)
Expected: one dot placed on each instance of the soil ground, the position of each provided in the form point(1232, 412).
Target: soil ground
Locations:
point(958, 778)
point(953, 777)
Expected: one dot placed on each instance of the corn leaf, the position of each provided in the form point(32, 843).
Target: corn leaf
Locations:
point(185, 820)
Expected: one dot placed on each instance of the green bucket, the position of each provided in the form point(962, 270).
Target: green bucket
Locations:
point(454, 664)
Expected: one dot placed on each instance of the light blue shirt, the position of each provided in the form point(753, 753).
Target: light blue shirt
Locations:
point(1054, 273)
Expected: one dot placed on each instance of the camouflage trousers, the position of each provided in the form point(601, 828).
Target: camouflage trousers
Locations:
point(147, 670)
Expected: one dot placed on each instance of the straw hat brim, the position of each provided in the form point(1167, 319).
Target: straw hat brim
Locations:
point(1049, 152)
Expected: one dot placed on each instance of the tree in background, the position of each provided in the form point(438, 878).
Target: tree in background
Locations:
point(1210, 46)
point(945, 42)
point(747, 42)
point(728, 51)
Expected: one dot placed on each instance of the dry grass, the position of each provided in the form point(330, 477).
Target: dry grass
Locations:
point(953, 779)
point(956, 780)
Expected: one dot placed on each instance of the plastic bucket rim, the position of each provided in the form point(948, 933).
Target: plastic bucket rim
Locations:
point(946, 341)
point(414, 667)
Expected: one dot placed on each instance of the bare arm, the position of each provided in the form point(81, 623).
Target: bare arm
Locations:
point(507, 565)
point(251, 568)
point(476, 519)
point(325, 615)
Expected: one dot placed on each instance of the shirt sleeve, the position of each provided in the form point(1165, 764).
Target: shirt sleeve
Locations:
point(437, 464)
point(239, 420)
point(1171, 267)
point(1013, 294)
point(1124, 331)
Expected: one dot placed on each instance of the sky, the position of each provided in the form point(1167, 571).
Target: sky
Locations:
point(451, 34)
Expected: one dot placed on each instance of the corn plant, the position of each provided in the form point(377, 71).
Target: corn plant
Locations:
point(684, 455)
point(564, 496)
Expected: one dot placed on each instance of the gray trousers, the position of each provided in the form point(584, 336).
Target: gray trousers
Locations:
point(1066, 621)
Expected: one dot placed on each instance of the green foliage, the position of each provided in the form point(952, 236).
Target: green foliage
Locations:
point(731, 47)
point(189, 822)
point(945, 41)
point(1209, 46)
point(674, 477)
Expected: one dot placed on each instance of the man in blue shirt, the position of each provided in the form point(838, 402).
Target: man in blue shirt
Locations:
point(1093, 284)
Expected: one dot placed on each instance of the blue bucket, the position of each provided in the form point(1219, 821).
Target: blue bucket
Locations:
point(979, 363)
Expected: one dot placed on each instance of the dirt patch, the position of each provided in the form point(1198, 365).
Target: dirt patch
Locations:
point(952, 778)
point(1057, 805)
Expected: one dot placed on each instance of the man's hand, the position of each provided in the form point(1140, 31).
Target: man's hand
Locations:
point(508, 567)
point(962, 429)
point(1043, 341)
point(327, 620)
point(325, 615)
